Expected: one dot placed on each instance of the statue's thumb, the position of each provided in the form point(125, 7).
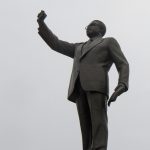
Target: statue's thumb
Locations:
point(109, 103)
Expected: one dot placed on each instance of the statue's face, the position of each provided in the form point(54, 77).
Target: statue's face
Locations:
point(93, 29)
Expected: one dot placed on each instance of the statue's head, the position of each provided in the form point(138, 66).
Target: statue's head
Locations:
point(96, 28)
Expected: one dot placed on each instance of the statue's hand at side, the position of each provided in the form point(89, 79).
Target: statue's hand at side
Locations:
point(119, 90)
point(41, 16)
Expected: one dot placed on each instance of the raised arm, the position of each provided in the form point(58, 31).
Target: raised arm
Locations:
point(52, 40)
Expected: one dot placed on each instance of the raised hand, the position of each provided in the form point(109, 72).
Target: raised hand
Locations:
point(41, 16)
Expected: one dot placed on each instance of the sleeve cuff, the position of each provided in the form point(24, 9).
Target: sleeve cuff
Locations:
point(121, 84)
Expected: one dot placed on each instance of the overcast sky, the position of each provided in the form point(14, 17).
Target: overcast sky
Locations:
point(33, 116)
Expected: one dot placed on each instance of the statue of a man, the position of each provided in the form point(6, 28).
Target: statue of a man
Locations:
point(89, 83)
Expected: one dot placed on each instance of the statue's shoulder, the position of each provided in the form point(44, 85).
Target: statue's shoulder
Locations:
point(79, 43)
point(110, 40)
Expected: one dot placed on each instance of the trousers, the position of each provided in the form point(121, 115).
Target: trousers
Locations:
point(92, 112)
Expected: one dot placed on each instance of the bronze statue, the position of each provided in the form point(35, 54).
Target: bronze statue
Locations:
point(89, 83)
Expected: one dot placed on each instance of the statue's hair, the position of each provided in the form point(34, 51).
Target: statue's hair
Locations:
point(102, 27)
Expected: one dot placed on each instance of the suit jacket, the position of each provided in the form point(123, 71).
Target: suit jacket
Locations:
point(93, 65)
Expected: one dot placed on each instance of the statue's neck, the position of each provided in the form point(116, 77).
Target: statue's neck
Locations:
point(95, 37)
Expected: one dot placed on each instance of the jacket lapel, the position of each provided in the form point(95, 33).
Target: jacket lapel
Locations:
point(79, 49)
point(91, 45)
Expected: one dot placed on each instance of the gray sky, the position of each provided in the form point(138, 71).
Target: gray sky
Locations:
point(33, 116)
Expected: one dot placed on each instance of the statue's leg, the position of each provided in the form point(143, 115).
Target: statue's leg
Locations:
point(98, 110)
point(85, 120)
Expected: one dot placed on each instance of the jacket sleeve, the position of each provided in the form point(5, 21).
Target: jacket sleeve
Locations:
point(52, 40)
point(121, 63)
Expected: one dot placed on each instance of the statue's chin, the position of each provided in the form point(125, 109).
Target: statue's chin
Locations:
point(91, 34)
